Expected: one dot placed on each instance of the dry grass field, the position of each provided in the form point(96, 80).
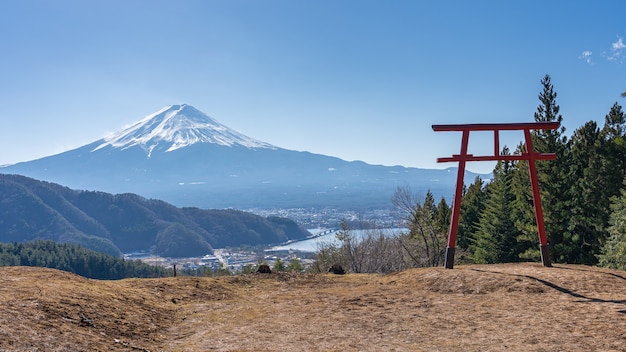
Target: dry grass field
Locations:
point(509, 307)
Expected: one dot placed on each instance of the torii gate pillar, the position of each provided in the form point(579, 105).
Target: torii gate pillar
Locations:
point(529, 155)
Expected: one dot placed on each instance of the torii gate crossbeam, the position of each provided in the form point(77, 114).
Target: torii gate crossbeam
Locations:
point(529, 155)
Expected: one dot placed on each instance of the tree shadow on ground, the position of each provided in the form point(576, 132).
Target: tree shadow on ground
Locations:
point(595, 271)
point(562, 289)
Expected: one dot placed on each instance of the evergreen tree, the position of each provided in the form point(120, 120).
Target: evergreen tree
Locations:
point(523, 210)
point(425, 232)
point(588, 214)
point(613, 152)
point(613, 254)
point(279, 265)
point(75, 259)
point(472, 206)
point(597, 168)
point(552, 175)
point(443, 215)
point(496, 238)
point(430, 231)
point(429, 208)
point(295, 265)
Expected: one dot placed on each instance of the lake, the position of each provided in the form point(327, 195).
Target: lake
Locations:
point(325, 236)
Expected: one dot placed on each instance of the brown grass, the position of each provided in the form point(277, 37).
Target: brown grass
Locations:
point(510, 307)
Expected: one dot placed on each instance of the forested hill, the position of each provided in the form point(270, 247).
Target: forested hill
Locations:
point(112, 224)
point(76, 259)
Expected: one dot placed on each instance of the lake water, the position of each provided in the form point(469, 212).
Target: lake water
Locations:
point(323, 236)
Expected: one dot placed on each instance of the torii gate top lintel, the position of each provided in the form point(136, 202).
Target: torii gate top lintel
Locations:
point(530, 155)
point(496, 128)
point(515, 126)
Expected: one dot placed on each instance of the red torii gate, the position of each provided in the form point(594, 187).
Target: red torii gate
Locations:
point(530, 155)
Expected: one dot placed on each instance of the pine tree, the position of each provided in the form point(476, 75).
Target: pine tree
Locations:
point(496, 238)
point(443, 215)
point(613, 151)
point(429, 208)
point(523, 211)
point(472, 206)
point(588, 215)
point(295, 265)
point(597, 168)
point(613, 254)
point(552, 175)
point(279, 265)
point(425, 231)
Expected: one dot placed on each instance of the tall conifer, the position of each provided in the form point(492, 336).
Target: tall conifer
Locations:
point(523, 211)
point(552, 175)
point(587, 218)
point(613, 254)
point(473, 205)
point(496, 238)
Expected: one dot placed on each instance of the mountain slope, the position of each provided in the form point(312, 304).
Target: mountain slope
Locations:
point(32, 210)
point(183, 156)
point(175, 127)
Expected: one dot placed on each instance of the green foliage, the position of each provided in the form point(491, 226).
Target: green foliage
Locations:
point(248, 269)
point(552, 175)
point(576, 190)
point(295, 265)
point(523, 210)
point(496, 238)
point(443, 215)
point(472, 205)
point(613, 254)
point(75, 259)
point(589, 204)
point(279, 265)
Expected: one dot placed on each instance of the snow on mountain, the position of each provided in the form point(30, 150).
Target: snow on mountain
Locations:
point(222, 168)
point(175, 127)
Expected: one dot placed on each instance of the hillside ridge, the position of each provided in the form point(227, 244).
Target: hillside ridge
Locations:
point(122, 223)
point(517, 307)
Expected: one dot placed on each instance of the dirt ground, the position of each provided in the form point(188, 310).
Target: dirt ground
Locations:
point(509, 307)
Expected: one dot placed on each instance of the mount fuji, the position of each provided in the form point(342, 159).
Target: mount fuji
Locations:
point(175, 127)
point(181, 155)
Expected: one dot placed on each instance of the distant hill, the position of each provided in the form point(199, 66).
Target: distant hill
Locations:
point(112, 224)
point(182, 156)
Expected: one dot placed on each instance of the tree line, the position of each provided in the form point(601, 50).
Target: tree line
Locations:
point(76, 259)
point(583, 193)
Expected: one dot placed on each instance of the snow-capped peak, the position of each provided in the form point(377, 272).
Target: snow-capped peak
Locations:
point(175, 127)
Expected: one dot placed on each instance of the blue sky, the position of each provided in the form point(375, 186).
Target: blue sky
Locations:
point(360, 80)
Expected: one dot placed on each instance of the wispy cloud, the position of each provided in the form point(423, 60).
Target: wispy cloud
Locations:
point(586, 56)
point(617, 49)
